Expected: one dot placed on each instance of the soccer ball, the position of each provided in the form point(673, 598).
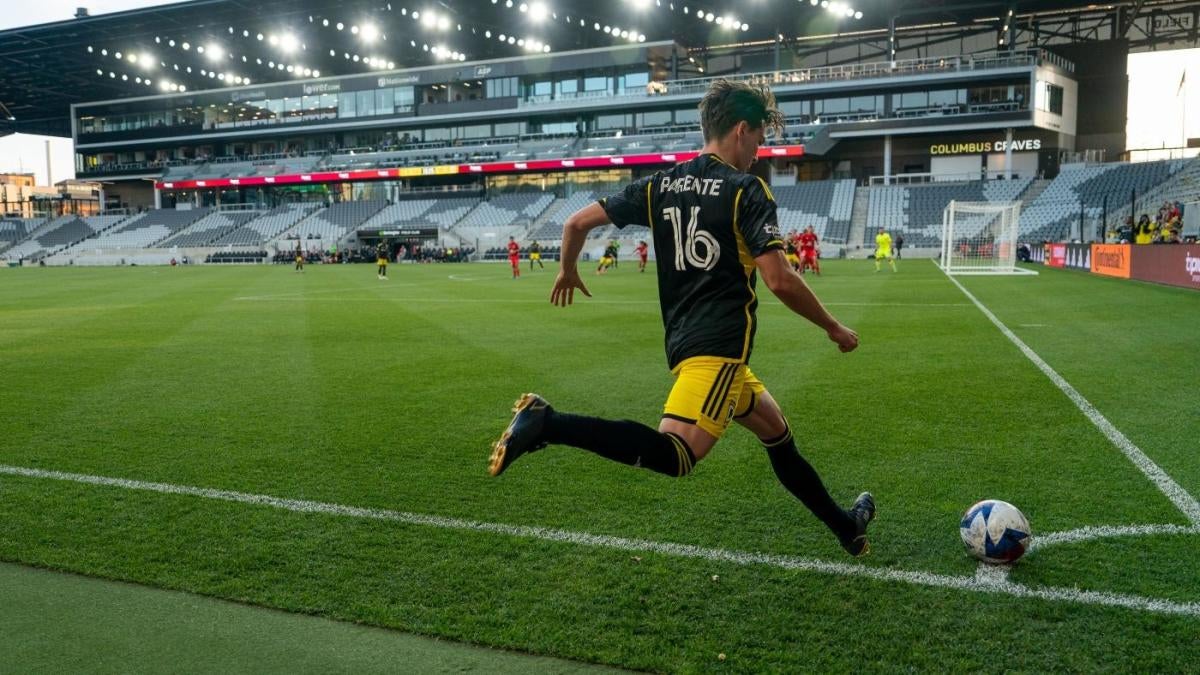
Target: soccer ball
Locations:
point(995, 532)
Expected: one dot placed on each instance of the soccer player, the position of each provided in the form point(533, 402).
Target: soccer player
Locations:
point(535, 255)
point(716, 228)
point(643, 251)
point(607, 260)
point(381, 260)
point(514, 257)
point(808, 251)
point(299, 258)
point(615, 247)
point(883, 249)
point(789, 250)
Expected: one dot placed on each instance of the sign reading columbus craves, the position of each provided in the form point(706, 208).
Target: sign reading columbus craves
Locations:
point(980, 147)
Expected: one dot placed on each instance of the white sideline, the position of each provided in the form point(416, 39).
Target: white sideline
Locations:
point(1167, 485)
point(980, 583)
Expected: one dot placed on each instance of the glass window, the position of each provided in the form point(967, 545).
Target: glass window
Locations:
point(366, 103)
point(437, 134)
point(346, 106)
point(946, 97)
point(633, 82)
point(612, 121)
point(866, 103)
point(566, 87)
point(688, 115)
point(510, 129)
point(596, 84)
point(477, 131)
point(404, 99)
point(835, 105)
point(654, 119)
point(385, 101)
point(539, 89)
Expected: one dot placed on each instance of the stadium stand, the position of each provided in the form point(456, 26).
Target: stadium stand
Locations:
point(268, 226)
point(1083, 188)
point(915, 211)
point(149, 229)
point(552, 227)
point(825, 205)
point(210, 228)
point(511, 211)
point(60, 234)
point(335, 222)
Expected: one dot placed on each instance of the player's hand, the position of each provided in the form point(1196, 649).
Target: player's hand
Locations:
point(564, 287)
point(846, 339)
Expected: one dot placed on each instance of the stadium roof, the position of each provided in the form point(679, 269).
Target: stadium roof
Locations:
point(46, 68)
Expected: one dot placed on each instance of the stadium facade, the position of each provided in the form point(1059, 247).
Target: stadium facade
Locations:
point(603, 113)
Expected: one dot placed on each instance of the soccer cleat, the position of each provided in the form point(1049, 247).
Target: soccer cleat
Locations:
point(524, 433)
point(862, 513)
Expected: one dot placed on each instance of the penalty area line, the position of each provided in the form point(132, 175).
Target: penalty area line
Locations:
point(993, 585)
point(1181, 498)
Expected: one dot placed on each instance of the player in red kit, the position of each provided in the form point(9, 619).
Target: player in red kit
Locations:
point(808, 250)
point(642, 250)
point(514, 257)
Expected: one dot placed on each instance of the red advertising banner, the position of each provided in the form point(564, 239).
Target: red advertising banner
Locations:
point(1056, 255)
point(602, 162)
point(1171, 264)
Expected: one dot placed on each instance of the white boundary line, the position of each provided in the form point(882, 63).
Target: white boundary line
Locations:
point(1183, 501)
point(1106, 531)
point(980, 582)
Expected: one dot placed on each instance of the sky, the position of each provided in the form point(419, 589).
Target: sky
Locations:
point(1157, 103)
point(28, 153)
point(18, 14)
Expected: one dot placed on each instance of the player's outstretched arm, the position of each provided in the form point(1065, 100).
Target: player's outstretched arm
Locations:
point(574, 235)
point(790, 288)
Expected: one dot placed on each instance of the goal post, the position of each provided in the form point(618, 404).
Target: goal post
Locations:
point(981, 238)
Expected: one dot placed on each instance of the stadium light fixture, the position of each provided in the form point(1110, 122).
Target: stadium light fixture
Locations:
point(288, 43)
point(369, 33)
point(538, 12)
point(214, 52)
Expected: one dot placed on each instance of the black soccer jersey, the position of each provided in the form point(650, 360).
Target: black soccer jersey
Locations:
point(709, 221)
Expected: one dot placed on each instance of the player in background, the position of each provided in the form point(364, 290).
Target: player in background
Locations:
point(607, 259)
point(883, 249)
point(789, 248)
point(299, 257)
point(381, 260)
point(535, 255)
point(514, 257)
point(715, 229)
point(643, 251)
point(899, 245)
point(615, 247)
point(808, 251)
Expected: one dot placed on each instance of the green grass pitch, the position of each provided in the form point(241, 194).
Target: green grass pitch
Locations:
point(335, 387)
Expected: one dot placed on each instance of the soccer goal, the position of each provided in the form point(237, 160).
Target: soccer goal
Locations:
point(981, 238)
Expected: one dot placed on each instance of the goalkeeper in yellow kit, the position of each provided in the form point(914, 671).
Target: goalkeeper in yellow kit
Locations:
point(883, 249)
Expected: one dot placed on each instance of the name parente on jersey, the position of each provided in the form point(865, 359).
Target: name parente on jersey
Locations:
point(701, 186)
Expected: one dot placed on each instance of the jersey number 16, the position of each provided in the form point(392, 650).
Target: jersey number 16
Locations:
point(688, 246)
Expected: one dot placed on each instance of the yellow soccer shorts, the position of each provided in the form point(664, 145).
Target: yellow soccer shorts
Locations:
point(382, 262)
point(883, 253)
point(605, 260)
point(793, 259)
point(710, 392)
point(535, 256)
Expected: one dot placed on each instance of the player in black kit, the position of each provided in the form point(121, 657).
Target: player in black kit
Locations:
point(715, 231)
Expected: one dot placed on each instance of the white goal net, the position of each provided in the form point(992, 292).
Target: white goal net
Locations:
point(981, 238)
